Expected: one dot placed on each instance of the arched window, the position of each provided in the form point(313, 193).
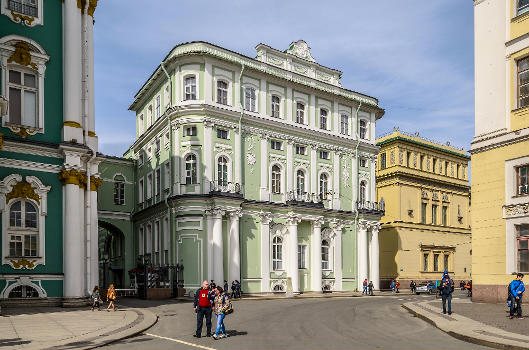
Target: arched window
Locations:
point(363, 129)
point(300, 113)
point(323, 119)
point(190, 88)
point(344, 124)
point(191, 169)
point(222, 171)
point(276, 179)
point(249, 99)
point(362, 197)
point(119, 190)
point(23, 291)
point(277, 253)
point(300, 182)
point(325, 246)
point(275, 106)
point(23, 231)
point(324, 185)
point(222, 92)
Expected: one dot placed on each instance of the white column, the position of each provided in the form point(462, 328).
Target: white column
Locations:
point(290, 166)
point(338, 256)
point(264, 169)
point(315, 275)
point(354, 180)
point(73, 241)
point(237, 161)
point(292, 246)
point(265, 252)
point(208, 156)
point(372, 125)
point(72, 72)
point(374, 264)
point(372, 180)
point(209, 244)
point(362, 252)
point(312, 115)
point(263, 100)
point(94, 242)
point(313, 169)
point(176, 156)
point(336, 118)
point(218, 248)
point(289, 101)
point(336, 181)
point(208, 83)
point(234, 267)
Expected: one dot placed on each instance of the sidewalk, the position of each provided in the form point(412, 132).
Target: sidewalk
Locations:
point(57, 328)
point(482, 326)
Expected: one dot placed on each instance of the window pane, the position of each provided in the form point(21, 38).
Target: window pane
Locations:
point(522, 244)
point(15, 77)
point(523, 230)
point(523, 261)
point(29, 80)
point(30, 108)
point(15, 216)
point(15, 106)
point(31, 216)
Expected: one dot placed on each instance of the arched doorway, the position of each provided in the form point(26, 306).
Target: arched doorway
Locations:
point(111, 255)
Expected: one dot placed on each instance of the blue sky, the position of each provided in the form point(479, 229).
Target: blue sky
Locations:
point(415, 56)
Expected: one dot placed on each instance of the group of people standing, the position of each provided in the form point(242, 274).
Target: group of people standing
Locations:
point(111, 298)
point(395, 286)
point(367, 288)
point(212, 298)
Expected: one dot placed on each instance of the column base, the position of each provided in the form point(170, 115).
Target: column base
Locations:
point(68, 302)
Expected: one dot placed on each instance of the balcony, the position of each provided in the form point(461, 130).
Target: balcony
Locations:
point(230, 189)
point(305, 198)
point(374, 208)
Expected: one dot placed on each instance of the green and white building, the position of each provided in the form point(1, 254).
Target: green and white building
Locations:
point(48, 163)
point(254, 169)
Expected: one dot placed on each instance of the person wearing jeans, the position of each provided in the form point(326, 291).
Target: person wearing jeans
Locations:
point(202, 306)
point(517, 289)
point(446, 288)
point(221, 301)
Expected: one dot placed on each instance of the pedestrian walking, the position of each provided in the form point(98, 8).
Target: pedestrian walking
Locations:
point(517, 289)
point(397, 286)
point(413, 286)
point(202, 305)
point(233, 285)
point(96, 299)
point(446, 288)
point(237, 289)
point(111, 298)
point(222, 308)
point(392, 286)
point(212, 285)
point(370, 288)
point(364, 287)
point(226, 286)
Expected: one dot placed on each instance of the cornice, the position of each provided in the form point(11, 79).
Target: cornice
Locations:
point(27, 148)
point(422, 181)
point(28, 165)
point(497, 140)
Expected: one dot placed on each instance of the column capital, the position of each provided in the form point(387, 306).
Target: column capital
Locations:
point(338, 225)
point(215, 212)
point(318, 222)
point(375, 226)
point(293, 220)
point(363, 225)
point(266, 218)
point(235, 214)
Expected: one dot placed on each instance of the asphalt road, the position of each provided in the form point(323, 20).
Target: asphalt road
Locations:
point(331, 323)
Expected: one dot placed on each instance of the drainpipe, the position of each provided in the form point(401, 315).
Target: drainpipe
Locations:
point(240, 125)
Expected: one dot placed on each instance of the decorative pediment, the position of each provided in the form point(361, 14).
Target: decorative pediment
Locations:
point(300, 49)
point(23, 190)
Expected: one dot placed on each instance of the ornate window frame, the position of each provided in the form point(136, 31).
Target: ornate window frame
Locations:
point(13, 188)
point(279, 230)
point(282, 185)
point(198, 173)
point(29, 21)
point(228, 168)
point(23, 54)
point(306, 180)
point(329, 183)
point(327, 234)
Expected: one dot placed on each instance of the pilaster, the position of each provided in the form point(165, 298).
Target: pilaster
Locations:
point(338, 264)
point(316, 277)
point(208, 157)
point(234, 267)
point(266, 218)
point(264, 192)
point(290, 166)
point(362, 252)
point(292, 271)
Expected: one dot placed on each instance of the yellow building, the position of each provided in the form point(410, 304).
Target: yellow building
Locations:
point(500, 149)
point(426, 227)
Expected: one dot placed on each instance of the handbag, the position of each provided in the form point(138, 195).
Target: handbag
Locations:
point(228, 307)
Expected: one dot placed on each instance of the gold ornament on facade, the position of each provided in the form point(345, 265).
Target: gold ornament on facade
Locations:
point(22, 132)
point(92, 4)
point(83, 180)
point(23, 190)
point(23, 263)
point(72, 124)
point(19, 18)
point(1, 140)
point(69, 177)
point(92, 134)
point(22, 55)
point(95, 183)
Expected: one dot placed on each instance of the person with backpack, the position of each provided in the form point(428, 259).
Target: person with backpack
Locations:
point(516, 293)
point(413, 286)
point(204, 299)
point(222, 308)
point(446, 288)
point(364, 287)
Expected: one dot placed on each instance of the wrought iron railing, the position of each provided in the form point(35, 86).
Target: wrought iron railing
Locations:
point(225, 187)
point(379, 207)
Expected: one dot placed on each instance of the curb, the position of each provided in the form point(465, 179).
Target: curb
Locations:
point(463, 337)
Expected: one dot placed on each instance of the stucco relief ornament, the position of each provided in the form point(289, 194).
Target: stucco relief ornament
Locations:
point(392, 158)
point(401, 157)
point(300, 49)
point(428, 164)
point(22, 55)
point(515, 210)
point(345, 175)
point(250, 156)
point(414, 159)
point(452, 170)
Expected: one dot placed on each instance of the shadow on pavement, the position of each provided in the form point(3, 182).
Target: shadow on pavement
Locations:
point(13, 342)
point(234, 333)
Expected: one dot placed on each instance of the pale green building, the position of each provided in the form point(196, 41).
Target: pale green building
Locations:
point(252, 169)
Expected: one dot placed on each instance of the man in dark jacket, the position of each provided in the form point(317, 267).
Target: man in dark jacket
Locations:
point(446, 287)
point(203, 305)
point(517, 288)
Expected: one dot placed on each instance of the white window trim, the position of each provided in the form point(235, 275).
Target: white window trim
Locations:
point(300, 154)
point(39, 58)
point(225, 155)
point(281, 99)
point(366, 181)
point(197, 186)
point(277, 141)
point(225, 129)
point(228, 89)
point(124, 182)
point(278, 230)
point(148, 239)
point(306, 260)
point(250, 86)
point(305, 112)
point(39, 20)
point(367, 138)
point(349, 123)
point(6, 186)
point(511, 190)
point(327, 117)
point(141, 240)
point(149, 189)
point(197, 84)
point(329, 182)
point(141, 125)
point(328, 235)
point(306, 180)
point(155, 181)
point(141, 194)
point(283, 184)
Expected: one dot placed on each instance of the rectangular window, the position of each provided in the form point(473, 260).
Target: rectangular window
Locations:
point(275, 103)
point(158, 106)
point(434, 214)
point(274, 144)
point(425, 261)
point(324, 154)
point(119, 193)
point(522, 7)
point(158, 181)
point(446, 168)
point(458, 167)
point(302, 256)
point(300, 113)
point(149, 116)
point(141, 242)
point(167, 175)
point(522, 235)
point(408, 159)
point(222, 134)
point(382, 161)
point(523, 80)
point(301, 150)
point(323, 119)
point(190, 131)
point(434, 164)
point(522, 180)
point(445, 262)
point(22, 98)
point(157, 237)
point(423, 213)
point(140, 159)
point(344, 124)
point(363, 162)
point(149, 186)
point(250, 98)
point(140, 124)
point(436, 262)
point(190, 88)
point(148, 245)
point(25, 7)
point(222, 92)
point(444, 215)
point(140, 191)
point(157, 146)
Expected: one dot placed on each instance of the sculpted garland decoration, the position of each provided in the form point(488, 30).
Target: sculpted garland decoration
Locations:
point(22, 55)
point(23, 190)
point(22, 19)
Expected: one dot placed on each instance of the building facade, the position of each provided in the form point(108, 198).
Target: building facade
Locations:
point(426, 226)
point(48, 186)
point(500, 149)
point(260, 170)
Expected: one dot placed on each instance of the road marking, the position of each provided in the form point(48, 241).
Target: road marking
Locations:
point(180, 341)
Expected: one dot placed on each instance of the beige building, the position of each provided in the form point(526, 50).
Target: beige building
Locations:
point(426, 227)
